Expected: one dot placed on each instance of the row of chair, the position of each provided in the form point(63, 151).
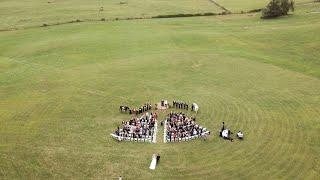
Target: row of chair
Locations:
point(187, 138)
point(121, 138)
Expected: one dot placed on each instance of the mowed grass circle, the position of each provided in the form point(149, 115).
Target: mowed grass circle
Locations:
point(61, 88)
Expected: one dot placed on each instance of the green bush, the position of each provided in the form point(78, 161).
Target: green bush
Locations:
point(254, 10)
point(277, 8)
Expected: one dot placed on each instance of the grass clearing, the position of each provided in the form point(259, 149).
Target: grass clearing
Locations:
point(60, 88)
point(237, 6)
point(15, 14)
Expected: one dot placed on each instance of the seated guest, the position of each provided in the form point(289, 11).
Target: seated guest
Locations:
point(137, 127)
point(179, 126)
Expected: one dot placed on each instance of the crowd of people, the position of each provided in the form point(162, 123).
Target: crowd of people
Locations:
point(179, 127)
point(137, 129)
point(180, 105)
point(141, 109)
point(163, 103)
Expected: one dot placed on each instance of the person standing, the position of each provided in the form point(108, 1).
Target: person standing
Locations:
point(158, 158)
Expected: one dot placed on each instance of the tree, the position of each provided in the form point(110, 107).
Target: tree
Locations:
point(277, 8)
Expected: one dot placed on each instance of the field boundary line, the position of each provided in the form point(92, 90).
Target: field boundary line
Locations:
point(225, 12)
point(115, 19)
point(220, 6)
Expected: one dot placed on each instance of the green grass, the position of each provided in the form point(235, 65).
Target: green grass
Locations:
point(15, 14)
point(247, 5)
point(60, 88)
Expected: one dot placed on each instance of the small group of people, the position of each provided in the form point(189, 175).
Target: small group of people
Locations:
point(137, 128)
point(226, 133)
point(142, 109)
point(180, 105)
point(179, 127)
point(164, 103)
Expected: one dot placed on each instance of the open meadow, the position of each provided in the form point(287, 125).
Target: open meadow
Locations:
point(61, 87)
point(15, 14)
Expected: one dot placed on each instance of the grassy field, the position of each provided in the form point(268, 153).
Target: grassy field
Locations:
point(237, 6)
point(15, 14)
point(60, 88)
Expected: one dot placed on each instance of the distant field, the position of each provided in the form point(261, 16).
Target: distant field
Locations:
point(242, 5)
point(14, 13)
point(246, 5)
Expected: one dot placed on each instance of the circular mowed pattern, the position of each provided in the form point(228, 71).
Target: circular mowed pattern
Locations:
point(61, 88)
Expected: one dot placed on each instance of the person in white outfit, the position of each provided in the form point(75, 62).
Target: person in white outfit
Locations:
point(240, 135)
